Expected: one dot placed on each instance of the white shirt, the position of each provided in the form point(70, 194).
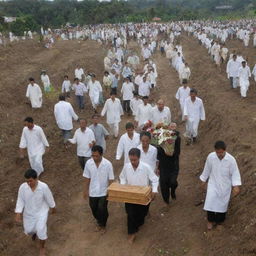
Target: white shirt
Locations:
point(221, 176)
point(125, 144)
point(194, 110)
point(83, 139)
point(34, 140)
point(127, 90)
point(163, 116)
point(134, 104)
point(233, 68)
point(149, 157)
point(99, 176)
point(34, 93)
point(114, 111)
point(144, 88)
point(244, 73)
point(66, 86)
point(79, 72)
point(64, 113)
point(34, 204)
point(144, 114)
point(182, 94)
point(80, 89)
point(143, 176)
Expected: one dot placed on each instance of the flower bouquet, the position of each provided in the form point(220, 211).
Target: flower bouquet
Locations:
point(161, 135)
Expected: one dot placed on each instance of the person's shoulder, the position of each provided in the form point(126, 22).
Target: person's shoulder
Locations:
point(212, 155)
point(106, 162)
point(42, 185)
point(24, 186)
point(230, 157)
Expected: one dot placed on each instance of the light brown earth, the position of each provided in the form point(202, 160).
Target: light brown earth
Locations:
point(179, 231)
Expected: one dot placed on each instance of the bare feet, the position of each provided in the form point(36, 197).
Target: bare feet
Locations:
point(42, 252)
point(131, 238)
point(209, 226)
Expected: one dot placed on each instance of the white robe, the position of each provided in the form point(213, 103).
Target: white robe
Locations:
point(143, 114)
point(163, 116)
point(114, 110)
point(95, 90)
point(221, 176)
point(35, 207)
point(34, 93)
point(35, 141)
point(244, 74)
point(181, 95)
point(46, 82)
point(195, 112)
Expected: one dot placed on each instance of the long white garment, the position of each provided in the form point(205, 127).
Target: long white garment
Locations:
point(125, 144)
point(114, 110)
point(79, 72)
point(127, 90)
point(144, 88)
point(254, 72)
point(144, 175)
point(34, 94)
point(221, 176)
point(35, 207)
point(144, 114)
point(195, 112)
point(163, 116)
point(233, 68)
point(134, 105)
point(35, 141)
point(64, 113)
point(46, 82)
point(181, 95)
point(94, 92)
point(244, 74)
point(184, 73)
point(149, 157)
point(66, 86)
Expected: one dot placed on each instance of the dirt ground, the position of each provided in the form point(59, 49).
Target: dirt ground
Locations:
point(178, 231)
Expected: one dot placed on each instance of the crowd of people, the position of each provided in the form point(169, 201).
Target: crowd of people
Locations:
point(144, 164)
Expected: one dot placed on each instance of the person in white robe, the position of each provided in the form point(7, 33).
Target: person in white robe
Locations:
point(127, 141)
point(107, 64)
point(232, 70)
point(161, 114)
point(113, 109)
point(244, 75)
point(46, 81)
point(184, 72)
point(135, 102)
point(144, 113)
point(254, 72)
point(144, 87)
point(127, 93)
point(66, 86)
point(64, 115)
point(193, 113)
point(34, 140)
point(182, 94)
point(33, 203)
point(222, 177)
point(79, 73)
point(95, 91)
point(34, 93)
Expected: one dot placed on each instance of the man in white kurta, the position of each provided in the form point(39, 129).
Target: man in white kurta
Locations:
point(46, 81)
point(34, 201)
point(34, 93)
point(135, 102)
point(182, 94)
point(64, 115)
point(79, 73)
point(244, 75)
point(113, 109)
point(95, 90)
point(161, 114)
point(254, 72)
point(34, 140)
point(127, 141)
point(233, 66)
point(193, 113)
point(222, 173)
point(144, 113)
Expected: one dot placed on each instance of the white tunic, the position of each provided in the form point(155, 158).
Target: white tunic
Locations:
point(144, 88)
point(79, 72)
point(127, 90)
point(163, 116)
point(233, 68)
point(149, 157)
point(114, 111)
point(143, 176)
point(34, 93)
point(64, 113)
point(144, 114)
point(125, 144)
point(94, 92)
point(221, 176)
point(35, 206)
point(181, 95)
point(194, 110)
point(134, 105)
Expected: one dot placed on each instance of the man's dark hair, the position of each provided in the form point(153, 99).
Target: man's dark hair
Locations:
point(112, 93)
point(66, 76)
point(31, 79)
point(193, 91)
point(30, 173)
point(134, 152)
point(220, 145)
point(148, 134)
point(145, 97)
point(76, 79)
point(184, 81)
point(62, 97)
point(129, 125)
point(29, 120)
point(98, 148)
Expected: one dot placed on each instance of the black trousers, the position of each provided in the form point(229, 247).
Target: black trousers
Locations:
point(217, 217)
point(167, 182)
point(136, 214)
point(82, 161)
point(126, 106)
point(99, 207)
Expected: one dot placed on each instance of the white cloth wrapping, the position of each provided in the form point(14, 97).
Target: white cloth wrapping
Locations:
point(144, 175)
point(125, 144)
point(35, 207)
point(35, 141)
point(64, 113)
point(221, 176)
point(34, 94)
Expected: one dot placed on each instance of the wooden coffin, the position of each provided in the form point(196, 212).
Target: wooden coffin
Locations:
point(129, 194)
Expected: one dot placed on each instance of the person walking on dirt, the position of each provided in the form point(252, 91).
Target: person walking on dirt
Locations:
point(34, 94)
point(220, 178)
point(80, 90)
point(193, 113)
point(98, 174)
point(34, 201)
point(182, 94)
point(244, 75)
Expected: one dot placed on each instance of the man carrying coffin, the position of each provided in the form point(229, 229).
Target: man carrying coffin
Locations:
point(137, 173)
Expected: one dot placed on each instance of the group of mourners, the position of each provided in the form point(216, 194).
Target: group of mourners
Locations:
point(144, 164)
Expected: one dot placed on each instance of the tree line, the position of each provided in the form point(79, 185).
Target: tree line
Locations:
point(32, 14)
